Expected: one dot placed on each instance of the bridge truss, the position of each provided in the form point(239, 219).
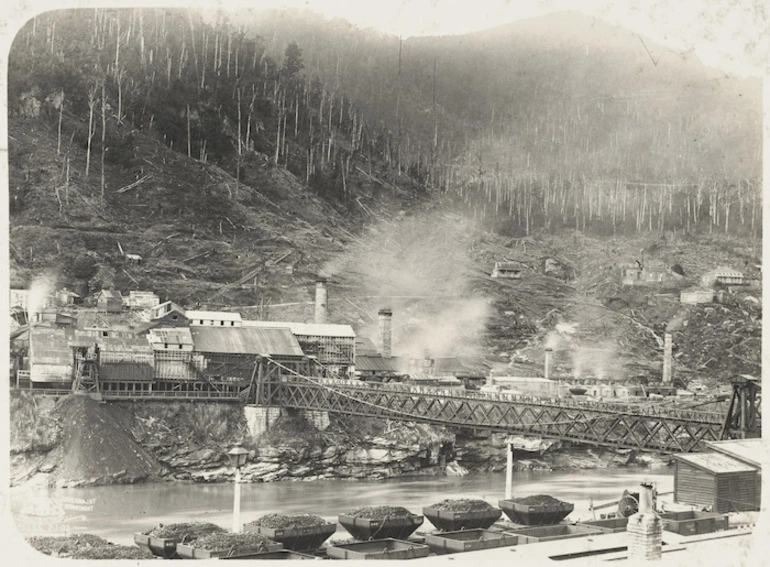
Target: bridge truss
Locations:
point(640, 427)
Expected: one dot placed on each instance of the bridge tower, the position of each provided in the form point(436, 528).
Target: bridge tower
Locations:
point(744, 416)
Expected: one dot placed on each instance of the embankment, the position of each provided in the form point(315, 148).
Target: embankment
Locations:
point(79, 441)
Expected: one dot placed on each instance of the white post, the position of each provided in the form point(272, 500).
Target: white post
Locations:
point(509, 470)
point(237, 502)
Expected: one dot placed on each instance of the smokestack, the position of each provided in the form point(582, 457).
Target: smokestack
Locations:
point(667, 350)
point(645, 529)
point(548, 362)
point(386, 317)
point(321, 301)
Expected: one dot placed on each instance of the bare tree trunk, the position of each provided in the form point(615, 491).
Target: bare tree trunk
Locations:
point(58, 138)
point(91, 129)
point(189, 141)
point(104, 137)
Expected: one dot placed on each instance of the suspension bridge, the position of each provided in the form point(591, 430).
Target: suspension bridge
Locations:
point(640, 426)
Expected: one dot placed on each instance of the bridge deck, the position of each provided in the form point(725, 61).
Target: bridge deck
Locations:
point(642, 427)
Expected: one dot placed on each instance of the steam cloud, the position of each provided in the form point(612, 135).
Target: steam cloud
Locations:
point(422, 268)
point(40, 291)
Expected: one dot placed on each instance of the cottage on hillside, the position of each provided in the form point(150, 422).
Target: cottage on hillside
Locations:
point(510, 270)
point(724, 276)
point(109, 301)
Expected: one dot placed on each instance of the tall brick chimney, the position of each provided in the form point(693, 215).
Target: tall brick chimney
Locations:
point(321, 301)
point(548, 365)
point(385, 331)
point(667, 351)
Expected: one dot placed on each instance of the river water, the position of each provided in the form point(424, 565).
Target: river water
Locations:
point(116, 512)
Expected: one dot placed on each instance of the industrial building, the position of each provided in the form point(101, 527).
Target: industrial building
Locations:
point(334, 346)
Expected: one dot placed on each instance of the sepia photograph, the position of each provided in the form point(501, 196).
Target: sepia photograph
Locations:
point(425, 280)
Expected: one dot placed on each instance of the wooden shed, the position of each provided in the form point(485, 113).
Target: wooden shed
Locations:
point(716, 481)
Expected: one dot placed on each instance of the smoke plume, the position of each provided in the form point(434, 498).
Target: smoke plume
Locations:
point(421, 268)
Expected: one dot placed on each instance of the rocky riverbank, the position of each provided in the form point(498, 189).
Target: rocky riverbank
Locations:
point(79, 441)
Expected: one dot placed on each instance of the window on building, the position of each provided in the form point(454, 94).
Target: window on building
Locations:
point(175, 317)
point(232, 323)
point(201, 321)
point(105, 333)
point(165, 345)
point(180, 347)
point(222, 323)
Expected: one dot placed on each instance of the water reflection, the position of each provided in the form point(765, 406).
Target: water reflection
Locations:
point(116, 512)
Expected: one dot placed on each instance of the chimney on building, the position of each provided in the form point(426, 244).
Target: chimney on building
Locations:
point(321, 301)
point(548, 362)
point(667, 350)
point(385, 330)
point(645, 529)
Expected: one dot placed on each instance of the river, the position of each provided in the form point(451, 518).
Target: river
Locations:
point(115, 512)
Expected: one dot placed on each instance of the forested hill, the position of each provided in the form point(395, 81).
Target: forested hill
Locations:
point(557, 120)
point(146, 124)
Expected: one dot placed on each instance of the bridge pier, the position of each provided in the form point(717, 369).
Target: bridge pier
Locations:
point(319, 419)
point(260, 418)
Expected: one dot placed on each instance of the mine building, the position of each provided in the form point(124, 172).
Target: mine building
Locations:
point(50, 356)
point(334, 346)
point(371, 365)
point(213, 318)
point(173, 353)
point(110, 365)
point(510, 270)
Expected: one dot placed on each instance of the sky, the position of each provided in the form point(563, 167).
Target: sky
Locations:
point(733, 35)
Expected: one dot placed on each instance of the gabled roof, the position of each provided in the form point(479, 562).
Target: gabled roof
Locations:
point(716, 463)
point(246, 340)
point(213, 315)
point(109, 294)
point(307, 329)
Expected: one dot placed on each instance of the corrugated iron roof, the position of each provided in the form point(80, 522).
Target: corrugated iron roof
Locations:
point(213, 315)
point(751, 451)
point(394, 364)
point(175, 335)
point(246, 340)
point(49, 346)
point(307, 329)
point(126, 371)
point(715, 462)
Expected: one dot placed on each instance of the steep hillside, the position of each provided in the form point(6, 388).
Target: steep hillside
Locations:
point(561, 120)
point(238, 168)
